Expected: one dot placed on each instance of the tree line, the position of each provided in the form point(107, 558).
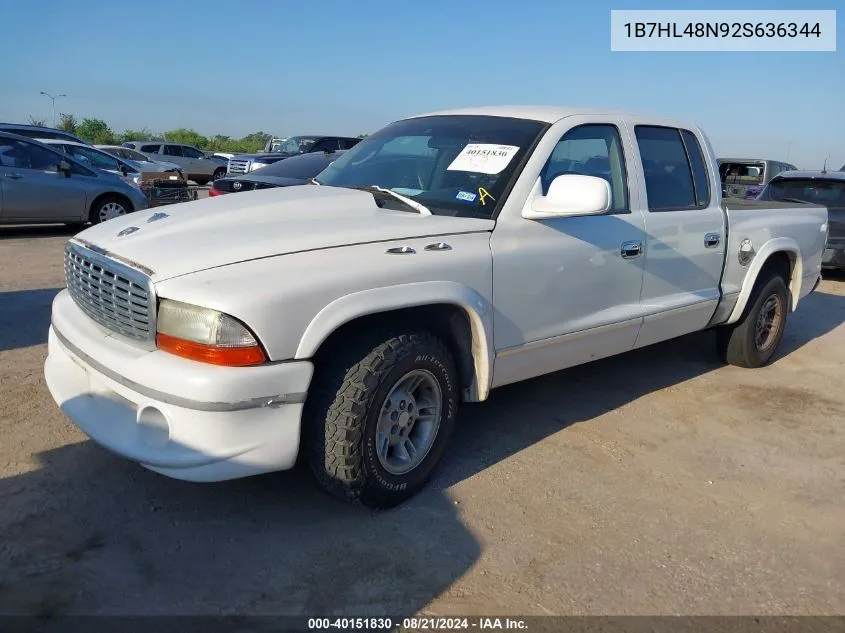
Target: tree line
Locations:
point(99, 132)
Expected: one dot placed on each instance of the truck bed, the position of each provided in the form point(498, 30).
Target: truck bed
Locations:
point(771, 226)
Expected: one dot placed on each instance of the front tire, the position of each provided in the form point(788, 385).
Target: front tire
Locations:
point(219, 173)
point(754, 339)
point(108, 208)
point(379, 419)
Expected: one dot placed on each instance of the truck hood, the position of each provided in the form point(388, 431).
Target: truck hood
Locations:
point(189, 237)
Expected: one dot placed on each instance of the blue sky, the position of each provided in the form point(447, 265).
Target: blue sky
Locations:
point(297, 67)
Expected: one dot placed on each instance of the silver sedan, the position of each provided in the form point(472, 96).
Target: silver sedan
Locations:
point(41, 185)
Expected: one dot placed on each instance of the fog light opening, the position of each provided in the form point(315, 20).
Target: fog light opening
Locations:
point(153, 427)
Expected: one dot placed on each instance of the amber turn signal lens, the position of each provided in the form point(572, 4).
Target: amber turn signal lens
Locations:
point(227, 356)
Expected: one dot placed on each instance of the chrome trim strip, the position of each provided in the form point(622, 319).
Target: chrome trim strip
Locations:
point(112, 257)
point(659, 314)
point(554, 340)
point(187, 403)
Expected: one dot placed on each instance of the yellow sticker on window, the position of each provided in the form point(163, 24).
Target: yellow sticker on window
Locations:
point(483, 194)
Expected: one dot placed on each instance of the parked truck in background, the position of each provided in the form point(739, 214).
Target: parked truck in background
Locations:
point(293, 146)
point(746, 177)
point(440, 258)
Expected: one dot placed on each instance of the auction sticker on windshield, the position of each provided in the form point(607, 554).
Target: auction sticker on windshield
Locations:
point(483, 158)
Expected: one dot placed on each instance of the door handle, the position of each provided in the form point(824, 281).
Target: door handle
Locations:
point(631, 249)
point(711, 240)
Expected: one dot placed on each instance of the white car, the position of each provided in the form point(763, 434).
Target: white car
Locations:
point(442, 257)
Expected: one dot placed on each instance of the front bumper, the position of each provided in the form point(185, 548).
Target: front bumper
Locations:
point(181, 418)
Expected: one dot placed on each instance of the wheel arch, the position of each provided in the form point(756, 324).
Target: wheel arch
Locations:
point(453, 311)
point(781, 255)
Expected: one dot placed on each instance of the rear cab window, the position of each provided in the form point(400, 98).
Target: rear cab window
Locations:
point(743, 172)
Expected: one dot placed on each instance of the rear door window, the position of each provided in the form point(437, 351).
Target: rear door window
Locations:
point(667, 170)
point(150, 149)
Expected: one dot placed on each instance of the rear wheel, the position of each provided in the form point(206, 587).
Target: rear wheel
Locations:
point(380, 417)
point(754, 339)
point(108, 208)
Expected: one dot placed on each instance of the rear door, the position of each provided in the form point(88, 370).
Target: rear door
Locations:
point(685, 231)
point(33, 188)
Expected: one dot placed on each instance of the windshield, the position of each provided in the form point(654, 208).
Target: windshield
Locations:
point(454, 165)
point(300, 167)
point(136, 156)
point(92, 157)
point(830, 193)
point(296, 145)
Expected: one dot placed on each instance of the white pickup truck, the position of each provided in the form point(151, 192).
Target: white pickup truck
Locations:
point(444, 256)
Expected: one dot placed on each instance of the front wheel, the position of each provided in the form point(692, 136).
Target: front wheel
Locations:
point(108, 208)
point(754, 339)
point(380, 417)
point(219, 173)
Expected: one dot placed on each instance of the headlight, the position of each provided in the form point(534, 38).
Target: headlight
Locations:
point(253, 166)
point(205, 335)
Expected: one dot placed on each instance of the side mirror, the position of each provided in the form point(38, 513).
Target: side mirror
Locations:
point(571, 195)
point(64, 168)
point(123, 169)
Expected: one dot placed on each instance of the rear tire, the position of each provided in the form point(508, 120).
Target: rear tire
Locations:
point(753, 340)
point(371, 436)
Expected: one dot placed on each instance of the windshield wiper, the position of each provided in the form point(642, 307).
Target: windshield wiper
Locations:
point(416, 206)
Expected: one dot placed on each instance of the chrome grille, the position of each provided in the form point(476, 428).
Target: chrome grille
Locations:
point(238, 166)
point(111, 294)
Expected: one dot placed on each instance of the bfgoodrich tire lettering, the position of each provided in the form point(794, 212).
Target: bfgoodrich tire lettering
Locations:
point(341, 418)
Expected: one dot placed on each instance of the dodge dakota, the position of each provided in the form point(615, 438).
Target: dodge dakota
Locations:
point(446, 255)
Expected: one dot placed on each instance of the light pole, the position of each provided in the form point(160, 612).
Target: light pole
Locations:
point(53, 99)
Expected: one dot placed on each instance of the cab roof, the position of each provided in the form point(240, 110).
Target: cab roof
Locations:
point(550, 114)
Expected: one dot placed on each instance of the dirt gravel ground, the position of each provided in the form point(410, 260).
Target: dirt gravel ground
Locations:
point(658, 482)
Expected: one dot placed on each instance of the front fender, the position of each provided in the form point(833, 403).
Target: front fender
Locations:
point(775, 245)
point(376, 300)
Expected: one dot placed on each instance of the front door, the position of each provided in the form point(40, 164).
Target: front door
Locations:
point(685, 227)
point(567, 289)
point(33, 188)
